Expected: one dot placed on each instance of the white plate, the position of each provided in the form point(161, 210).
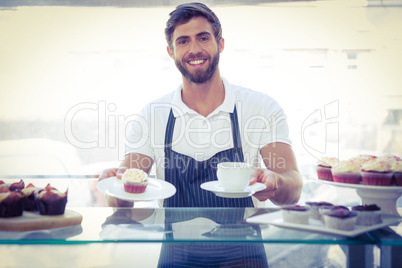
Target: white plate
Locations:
point(156, 189)
point(276, 219)
point(362, 186)
point(215, 187)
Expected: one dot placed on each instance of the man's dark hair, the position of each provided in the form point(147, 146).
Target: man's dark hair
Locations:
point(185, 12)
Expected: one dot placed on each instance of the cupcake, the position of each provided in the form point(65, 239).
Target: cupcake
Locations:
point(367, 214)
point(135, 180)
point(50, 201)
point(314, 208)
point(376, 172)
point(346, 172)
point(29, 197)
point(11, 203)
point(324, 166)
point(396, 168)
point(296, 214)
point(340, 219)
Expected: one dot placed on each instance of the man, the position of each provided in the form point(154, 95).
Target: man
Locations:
point(207, 121)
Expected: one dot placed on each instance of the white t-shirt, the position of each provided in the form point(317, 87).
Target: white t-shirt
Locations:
point(261, 120)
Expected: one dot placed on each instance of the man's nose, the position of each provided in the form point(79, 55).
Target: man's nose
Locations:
point(195, 48)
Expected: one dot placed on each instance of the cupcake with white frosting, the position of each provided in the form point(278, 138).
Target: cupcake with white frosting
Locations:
point(324, 166)
point(377, 172)
point(346, 172)
point(135, 181)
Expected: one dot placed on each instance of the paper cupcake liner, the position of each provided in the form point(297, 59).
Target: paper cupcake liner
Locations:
point(324, 173)
point(344, 224)
point(346, 177)
point(299, 217)
point(368, 218)
point(376, 178)
point(397, 177)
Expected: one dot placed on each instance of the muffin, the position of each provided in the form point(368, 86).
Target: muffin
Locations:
point(50, 201)
point(367, 214)
point(11, 203)
point(314, 208)
point(340, 219)
point(135, 180)
point(296, 214)
point(324, 166)
point(29, 197)
point(396, 168)
point(346, 172)
point(376, 172)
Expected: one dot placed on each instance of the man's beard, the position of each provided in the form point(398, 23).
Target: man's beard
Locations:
point(199, 76)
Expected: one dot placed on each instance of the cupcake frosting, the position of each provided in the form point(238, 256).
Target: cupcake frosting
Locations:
point(296, 208)
point(134, 175)
point(396, 166)
point(378, 165)
point(327, 161)
point(390, 158)
point(347, 166)
point(341, 213)
point(372, 207)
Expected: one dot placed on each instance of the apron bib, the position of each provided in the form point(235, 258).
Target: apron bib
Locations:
point(187, 174)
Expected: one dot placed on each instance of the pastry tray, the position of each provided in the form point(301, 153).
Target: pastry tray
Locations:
point(276, 219)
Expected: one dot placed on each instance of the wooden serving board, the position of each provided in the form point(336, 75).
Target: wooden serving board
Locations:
point(31, 221)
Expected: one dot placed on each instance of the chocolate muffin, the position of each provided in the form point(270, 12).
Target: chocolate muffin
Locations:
point(11, 203)
point(368, 214)
point(340, 219)
point(50, 201)
point(29, 197)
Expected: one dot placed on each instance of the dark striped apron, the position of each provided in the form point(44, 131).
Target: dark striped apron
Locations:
point(187, 174)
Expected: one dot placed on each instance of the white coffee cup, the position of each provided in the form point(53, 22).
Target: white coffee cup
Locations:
point(234, 176)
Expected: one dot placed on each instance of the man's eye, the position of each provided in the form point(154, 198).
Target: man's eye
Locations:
point(204, 39)
point(182, 42)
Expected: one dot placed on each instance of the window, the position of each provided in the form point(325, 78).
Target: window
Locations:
point(72, 75)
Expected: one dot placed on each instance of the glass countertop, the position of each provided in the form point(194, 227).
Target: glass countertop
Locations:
point(105, 225)
point(101, 224)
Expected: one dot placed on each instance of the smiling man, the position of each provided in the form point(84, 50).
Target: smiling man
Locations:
point(207, 120)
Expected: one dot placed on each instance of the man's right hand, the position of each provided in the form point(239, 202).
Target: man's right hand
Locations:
point(112, 172)
point(112, 201)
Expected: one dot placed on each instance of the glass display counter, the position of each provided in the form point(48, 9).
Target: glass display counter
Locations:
point(119, 237)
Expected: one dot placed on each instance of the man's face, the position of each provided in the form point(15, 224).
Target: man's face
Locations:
point(195, 50)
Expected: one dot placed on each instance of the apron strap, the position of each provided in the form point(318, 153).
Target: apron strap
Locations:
point(169, 131)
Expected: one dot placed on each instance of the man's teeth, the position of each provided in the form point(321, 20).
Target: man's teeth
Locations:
point(194, 62)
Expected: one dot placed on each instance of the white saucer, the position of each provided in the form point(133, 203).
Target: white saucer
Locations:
point(156, 190)
point(215, 187)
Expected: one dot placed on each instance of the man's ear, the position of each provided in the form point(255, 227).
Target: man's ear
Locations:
point(221, 45)
point(169, 51)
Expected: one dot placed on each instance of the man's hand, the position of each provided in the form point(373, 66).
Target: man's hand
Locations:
point(112, 201)
point(112, 172)
point(268, 178)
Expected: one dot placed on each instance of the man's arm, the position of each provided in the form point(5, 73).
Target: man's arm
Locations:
point(132, 160)
point(281, 176)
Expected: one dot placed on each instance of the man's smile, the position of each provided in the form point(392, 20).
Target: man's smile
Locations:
point(196, 62)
